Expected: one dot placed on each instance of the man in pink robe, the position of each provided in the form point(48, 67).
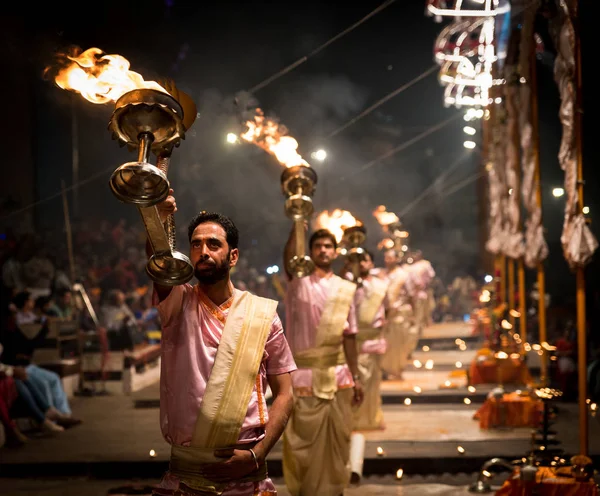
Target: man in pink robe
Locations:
point(316, 445)
point(193, 319)
point(369, 416)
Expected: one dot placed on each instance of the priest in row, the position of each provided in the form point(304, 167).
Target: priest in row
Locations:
point(321, 329)
point(370, 303)
point(221, 348)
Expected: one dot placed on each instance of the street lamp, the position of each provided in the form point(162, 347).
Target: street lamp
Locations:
point(319, 155)
point(469, 144)
point(232, 138)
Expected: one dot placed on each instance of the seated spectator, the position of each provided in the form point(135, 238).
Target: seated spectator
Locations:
point(62, 304)
point(14, 383)
point(19, 348)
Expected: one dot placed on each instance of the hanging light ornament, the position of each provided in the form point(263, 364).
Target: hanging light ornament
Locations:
point(466, 8)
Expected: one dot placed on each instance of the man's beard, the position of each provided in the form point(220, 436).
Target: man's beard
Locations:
point(212, 275)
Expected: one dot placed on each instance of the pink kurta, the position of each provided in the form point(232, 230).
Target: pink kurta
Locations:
point(191, 330)
point(423, 274)
point(304, 303)
point(372, 346)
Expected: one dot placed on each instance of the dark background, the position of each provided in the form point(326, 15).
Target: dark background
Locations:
point(215, 50)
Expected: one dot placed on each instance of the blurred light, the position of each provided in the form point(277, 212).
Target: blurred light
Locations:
point(460, 449)
point(425, 348)
point(417, 389)
point(407, 401)
point(558, 192)
point(467, 401)
point(399, 474)
point(152, 453)
point(273, 269)
point(380, 451)
point(522, 80)
point(471, 389)
point(585, 210)
point(319, 155)
point(232, 138)
point(469, 130)
point(429, 364)
point(458, 365)
point(469, 144)
point(514, 313)
point(498, 100)
point(488, 278)
point(417, 364)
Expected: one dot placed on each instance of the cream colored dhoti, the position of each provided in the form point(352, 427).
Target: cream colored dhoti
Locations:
point(369, 415)
point(316, 445)
point(402, 336)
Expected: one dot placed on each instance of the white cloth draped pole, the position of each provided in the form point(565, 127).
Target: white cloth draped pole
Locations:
point(578, 242)
point(536, 248)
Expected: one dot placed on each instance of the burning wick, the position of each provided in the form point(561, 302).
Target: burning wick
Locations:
point(425, 348)
point(417, 389)
point(417, 364)
point(471, 389)
point(399, 474)
point(429, 364)
point(467, 401)
point(407, 401)
point(460, 449)
point(98, 77)
point(458, 365)
point(380, 451)
point(152, 453)
point(272, 137)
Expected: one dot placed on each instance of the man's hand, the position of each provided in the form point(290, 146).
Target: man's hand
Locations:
point(20, 373)
point(167, 207)
point(236, 464)
point(359, 394)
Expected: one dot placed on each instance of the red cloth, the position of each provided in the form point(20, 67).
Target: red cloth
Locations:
point(547, 483)
point(510, 411)
point(8, 395)
point(508, 372)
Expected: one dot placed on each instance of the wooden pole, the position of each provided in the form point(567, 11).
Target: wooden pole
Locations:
point(541, 273)
point(68, 232)
point(522, 303)
point(511, 288)
point(580, 275)
point(502, 298)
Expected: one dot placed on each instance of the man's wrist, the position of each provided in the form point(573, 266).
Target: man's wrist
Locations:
point(260, 454)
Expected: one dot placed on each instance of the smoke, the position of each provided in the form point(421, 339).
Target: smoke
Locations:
point(320, 103)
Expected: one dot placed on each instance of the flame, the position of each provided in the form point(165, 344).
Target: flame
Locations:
point(100, 78)
point(272, 137)
point(384, 217)
point(336, 222)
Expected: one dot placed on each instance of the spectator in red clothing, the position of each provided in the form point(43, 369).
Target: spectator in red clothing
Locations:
point(566, 368)
point(8, 395)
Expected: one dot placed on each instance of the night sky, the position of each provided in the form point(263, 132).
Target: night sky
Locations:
point(215, 50)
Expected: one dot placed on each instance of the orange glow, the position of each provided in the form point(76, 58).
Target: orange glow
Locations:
point(336, 222)
point(385, 244)
point(384, 217)
point(272, 137)
point(100, 78)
